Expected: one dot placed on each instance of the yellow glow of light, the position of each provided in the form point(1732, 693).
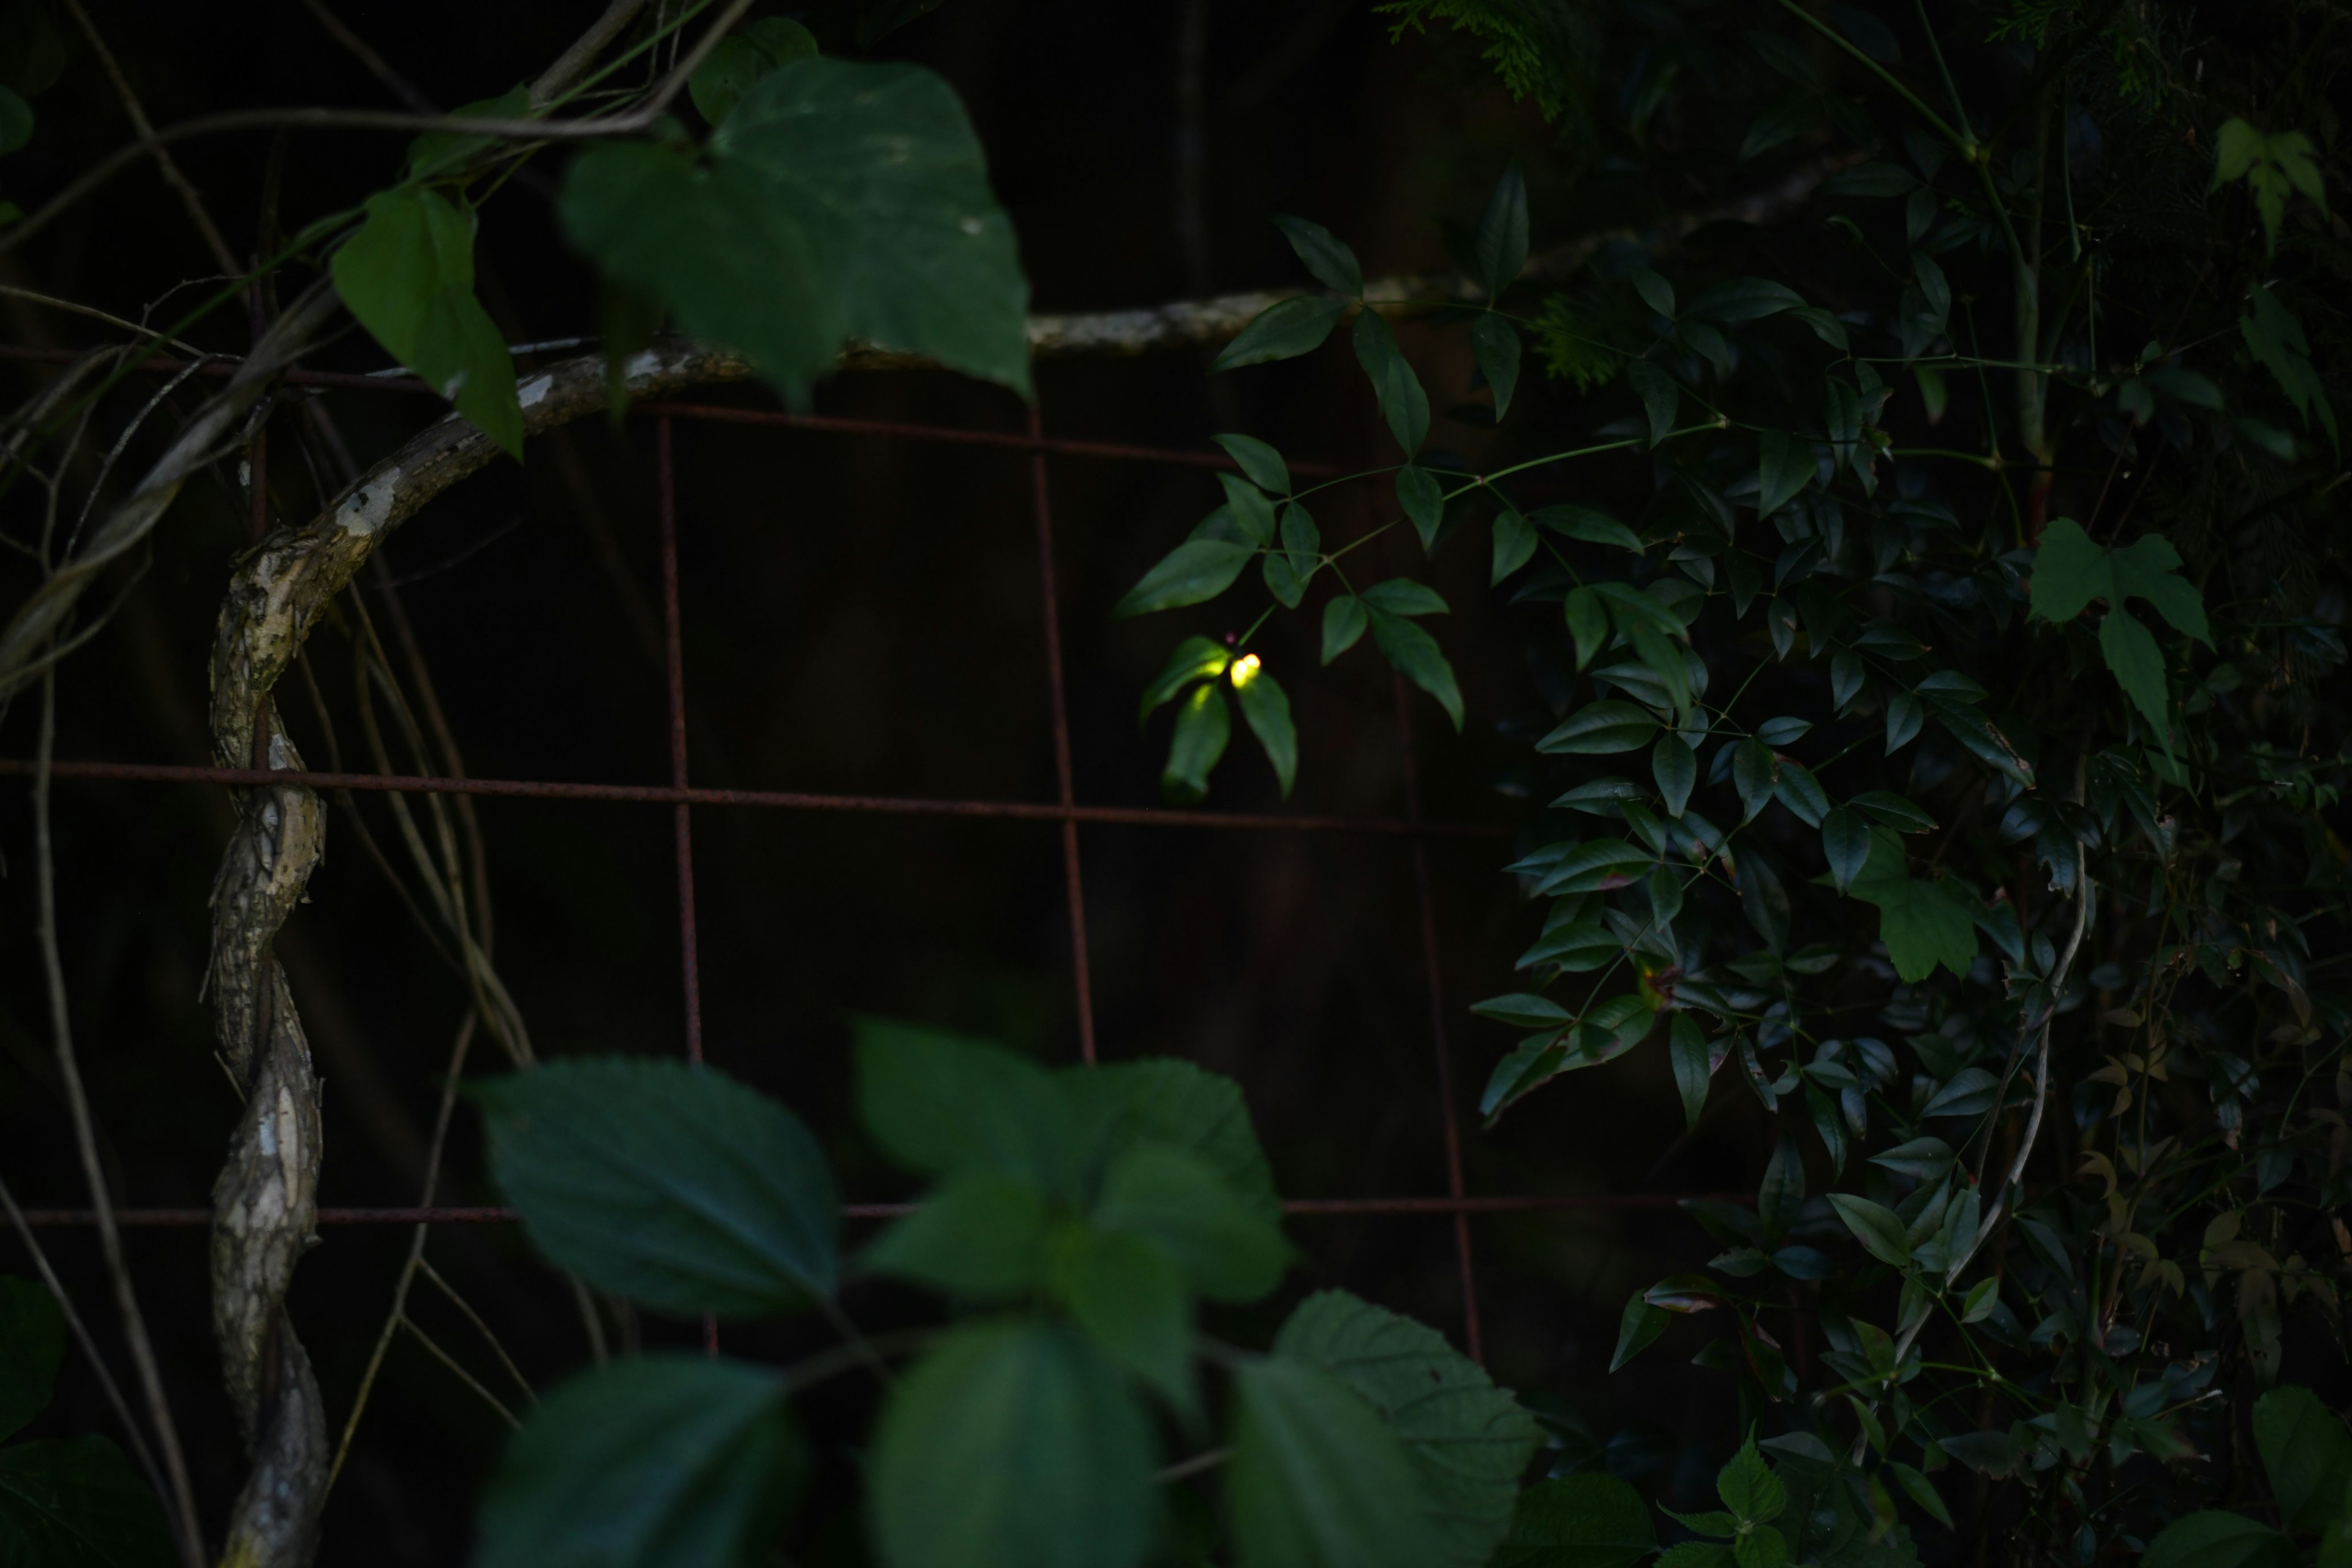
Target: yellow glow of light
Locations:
point(1244, 670)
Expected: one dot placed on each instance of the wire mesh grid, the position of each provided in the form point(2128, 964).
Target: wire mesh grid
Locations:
point(683, 797)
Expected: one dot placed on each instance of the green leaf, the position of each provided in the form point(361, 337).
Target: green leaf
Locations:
point(1785, 467)
point(729, 71)
point(2213, 1540)
point(1289, 569)
point(1922, 924)
point(1422, 499)
point(1641, 1325)
point(2236, 146)
point(2307, 1453)
point(1495, 342)
point(981, 1236)
point(1738, 299)
point(1204, 726)
point(1416, 657)
point(1922, 1490)
point(1845, 839)
point(2276, 340)
point(1895, 811)
point(716, 247)
point(1583, 522)
point(1318, 1480)
point(1260, 462)
point(1660, 397)
point(1875, 1226)
point(655, 1461)
point(1801, 793)
point(1695, 1554)
point(673, 1187)
point(1601, 728)
point(1195, 658)
point(1178, 1103)
point(2137, 665)
point(407, 276)
point(1515, 543)
point(32, 1347)
point(1749, 1488)
point(1267, 708)
point(1344, 621)
point(943, 1104)
point(879, 165)
point(1250, 508)
point(15, 121)
point(1692, 1063)
point(2149, 568)
point(1922, 1159)
point(1127, 1296)
point(443, 153)
point(2068, 572)
point(79, 1502)
point(1588, 623)
point(1229, 1247)
point(1468, 1439)
point(1529, 1065)
point(1588, 1520)
point(1500, 244)
point(1193, 572)
point(1675, 767)
point(1754, 772)
point(1655, 292)
point(1403, 405)
point(1334, 265)
point(1284, 330)
point(1522, 1010)
point(1012, 1445)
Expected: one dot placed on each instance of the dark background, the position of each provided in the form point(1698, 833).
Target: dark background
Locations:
point(862, 615)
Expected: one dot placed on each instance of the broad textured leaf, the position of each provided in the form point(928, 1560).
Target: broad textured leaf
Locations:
point(1204, 724)
point(1262, 464)
point(656, 1461)
point(1012, 1445)
point(1922, 924)
point(2068, 570)
point(729, 71)
point(1326, 255)
point(1227, 1245)
point(407, 276)
point(716, 247)
point(1588, 1520)
point(1178, 1103)
point(1495, 342)
point(1599, 729)
point(1284, 330)
point(79, 1502)
point(1675, 767)
point(2137, 665)
point(879, 165)
point(1193, 572)
point(1403, 405)
point(1468, 1439)
point(1500, 244)
point(673, 1187)
point(2306, 1452)
point(1318, 1480)
point(1875, 1226)
point(1266, 706)
point(943, 1103)
point(1749, 1488)
point(31, 1346)
point(2215, 1540)
point(980, 1234)
point(1416, 657)
point(1128, 1297)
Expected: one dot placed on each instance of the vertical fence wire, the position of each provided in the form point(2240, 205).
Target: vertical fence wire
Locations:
point(1064, 782)
point(1472, 1340)
point(674, 646)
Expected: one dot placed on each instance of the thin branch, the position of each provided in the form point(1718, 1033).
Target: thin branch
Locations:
point(149, 333)
point(164, 163)
point(467, 1378)
point(481, 1327)
point(186, 1527)
point(573, 63)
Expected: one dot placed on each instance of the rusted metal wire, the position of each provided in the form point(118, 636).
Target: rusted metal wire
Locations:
point(690, 959)
point(787, 800)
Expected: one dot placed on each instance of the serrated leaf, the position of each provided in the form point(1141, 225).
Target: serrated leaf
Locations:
point(2306, 1452)
point(1128, 1298)
point(1588, 1521)
point(943, 1103)
point(1318, 1479)
point(1230, 1248)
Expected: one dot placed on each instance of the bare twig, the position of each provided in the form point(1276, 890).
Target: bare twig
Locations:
point(573, 63)
point(467, 1378)
point(481, 1327)
point(164, 163)
point(186, 1525)
point(149, 333)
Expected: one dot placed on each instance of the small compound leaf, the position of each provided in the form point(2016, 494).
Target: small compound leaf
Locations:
point(1318, 1480)
point(1601, 728)
point(1500, 244)
point(32, 1347)
point(1195, 658)
point(1641, 1324)
point(1012, 1444)
point(1284, 330)
point(1675, 767)
point(1661, 398)
point(1588, 623)
point(1193, 572)
point(656, 1461)
point(1344, 621)
point(1737, 299)
point(1785, 467)
point(1845, 839)
point(1326, 256)
point(1875, 1226)
point(1515, 543)
point(1415, 655)
point(1497, 344)
point(1585, 523)
point(1265, 708)
point(1403, 405)
point(673, 1186)
point(1693, 1063)
point(1262, 464)
point(1204, 726)
point(1422, 499)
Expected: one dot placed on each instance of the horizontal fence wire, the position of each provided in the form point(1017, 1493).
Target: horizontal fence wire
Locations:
point(1455, 1205)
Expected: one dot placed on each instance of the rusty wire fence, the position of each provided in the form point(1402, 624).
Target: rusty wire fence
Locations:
point(683, 798)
